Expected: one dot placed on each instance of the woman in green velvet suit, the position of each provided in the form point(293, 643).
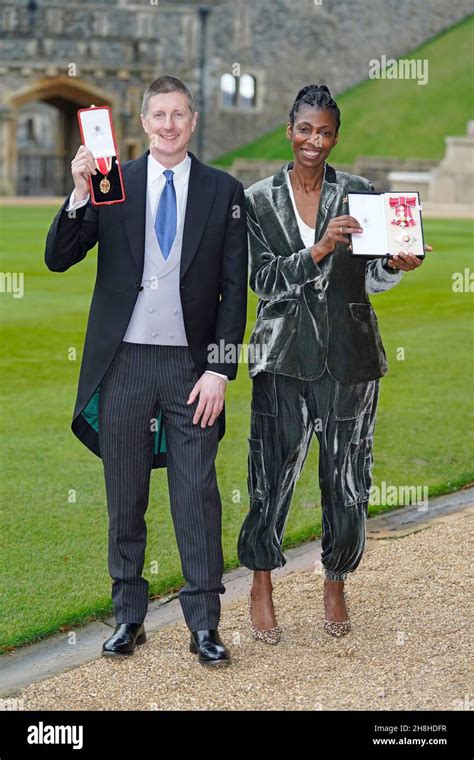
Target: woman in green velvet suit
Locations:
point(317, 361)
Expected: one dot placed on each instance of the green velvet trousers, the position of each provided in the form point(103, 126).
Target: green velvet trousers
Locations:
point(286, 411)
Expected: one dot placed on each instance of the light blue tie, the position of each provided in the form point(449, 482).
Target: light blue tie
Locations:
point(165, 222)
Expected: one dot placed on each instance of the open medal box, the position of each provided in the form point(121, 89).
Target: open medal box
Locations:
point(391, 224)
point(97, 133)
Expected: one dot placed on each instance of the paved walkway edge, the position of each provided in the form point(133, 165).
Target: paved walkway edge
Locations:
point(35, 662)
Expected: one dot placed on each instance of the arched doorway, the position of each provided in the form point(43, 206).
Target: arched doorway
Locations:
point(44, 133)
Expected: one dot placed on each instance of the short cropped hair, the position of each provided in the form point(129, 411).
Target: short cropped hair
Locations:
point(167, 83)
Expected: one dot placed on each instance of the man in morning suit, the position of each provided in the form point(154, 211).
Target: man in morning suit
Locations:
point(171, 283)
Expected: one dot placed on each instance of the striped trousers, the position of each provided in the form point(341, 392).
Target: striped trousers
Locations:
point(142, 381)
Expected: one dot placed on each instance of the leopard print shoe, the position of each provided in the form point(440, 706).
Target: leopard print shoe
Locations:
point(271, 636)
point(337, 629)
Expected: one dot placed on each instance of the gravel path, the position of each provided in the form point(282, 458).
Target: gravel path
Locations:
point(408, 650)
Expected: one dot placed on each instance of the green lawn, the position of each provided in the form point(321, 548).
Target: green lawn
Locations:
point(397, 117)
point(54, 549)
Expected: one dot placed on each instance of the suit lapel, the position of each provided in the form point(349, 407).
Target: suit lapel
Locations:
point(328, 193)
point(283, 207)
point(134, 208)
point(201, 193)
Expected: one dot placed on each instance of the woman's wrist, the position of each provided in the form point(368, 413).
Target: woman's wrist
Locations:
point(318, 252)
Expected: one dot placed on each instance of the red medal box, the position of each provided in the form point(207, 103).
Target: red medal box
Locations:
point(97, 134)
point(391, 224)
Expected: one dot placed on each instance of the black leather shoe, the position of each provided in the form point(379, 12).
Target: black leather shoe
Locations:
point(124, 639)
point(209, 648)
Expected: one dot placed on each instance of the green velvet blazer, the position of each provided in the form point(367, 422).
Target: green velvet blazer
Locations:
point(311, 317)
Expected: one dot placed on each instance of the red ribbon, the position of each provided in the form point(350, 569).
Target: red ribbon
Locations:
point(403, 211)
point(104, 165)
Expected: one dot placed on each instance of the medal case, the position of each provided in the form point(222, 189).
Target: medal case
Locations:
point(391, 222)
point(97, 134)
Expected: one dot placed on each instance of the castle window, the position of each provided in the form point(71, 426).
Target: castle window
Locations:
point(229, 90)
point(247, 91)
point(238, 92)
